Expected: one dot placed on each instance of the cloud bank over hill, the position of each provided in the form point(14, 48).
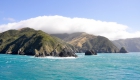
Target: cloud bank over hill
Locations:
point(60, 24)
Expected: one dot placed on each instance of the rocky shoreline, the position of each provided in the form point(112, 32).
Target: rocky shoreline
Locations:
point(64, 53)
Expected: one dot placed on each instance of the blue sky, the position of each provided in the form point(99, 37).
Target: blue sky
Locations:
point(126, 12)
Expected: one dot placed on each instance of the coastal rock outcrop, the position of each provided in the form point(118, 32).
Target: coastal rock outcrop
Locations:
point(67, 53)
point(20, 52)
point(90, 52)
point(54, 53)
point(123, 50)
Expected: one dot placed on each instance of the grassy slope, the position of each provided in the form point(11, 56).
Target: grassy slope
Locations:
point(83, 41)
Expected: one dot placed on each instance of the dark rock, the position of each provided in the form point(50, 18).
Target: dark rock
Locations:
point(46, 53)
point(90, 52)
point(67, 53)
point(41, 55)
point(14, 52)
point(123, 50)
point(54, 53)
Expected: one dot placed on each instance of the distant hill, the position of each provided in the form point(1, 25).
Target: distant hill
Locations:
point(131, 44)
point(28, 41)
point(83, 41)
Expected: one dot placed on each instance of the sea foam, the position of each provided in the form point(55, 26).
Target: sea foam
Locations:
point(51, 57)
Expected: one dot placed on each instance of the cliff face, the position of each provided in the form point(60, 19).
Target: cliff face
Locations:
point(83, 41)
point(28, 41)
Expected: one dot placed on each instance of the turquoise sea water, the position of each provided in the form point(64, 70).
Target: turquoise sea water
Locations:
point(100, 67)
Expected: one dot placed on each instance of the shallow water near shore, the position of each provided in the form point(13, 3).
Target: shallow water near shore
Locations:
point(99, 67)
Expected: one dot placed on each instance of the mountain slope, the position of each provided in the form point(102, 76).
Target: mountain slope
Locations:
point(83, 41)
point(28, 41)
point(131, 44)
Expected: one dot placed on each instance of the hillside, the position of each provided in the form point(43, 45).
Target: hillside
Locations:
point(28, 41)
point(83, 41)
point(131, 44)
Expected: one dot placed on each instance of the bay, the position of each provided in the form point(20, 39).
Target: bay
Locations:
point(107, 66)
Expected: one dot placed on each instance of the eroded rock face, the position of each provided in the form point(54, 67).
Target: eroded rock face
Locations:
point(67, 53)
point(20, 52)
point(54, 53)
point(90, 52)
point(46, 53)
point(64, 53)
point(123, 50)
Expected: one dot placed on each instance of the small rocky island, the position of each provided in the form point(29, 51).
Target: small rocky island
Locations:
point(123, 50)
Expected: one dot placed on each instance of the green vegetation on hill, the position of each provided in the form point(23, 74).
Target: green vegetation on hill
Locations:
point(28, 41)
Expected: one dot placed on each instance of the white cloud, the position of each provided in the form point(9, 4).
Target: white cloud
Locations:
point(60, 24)
point(9, 19)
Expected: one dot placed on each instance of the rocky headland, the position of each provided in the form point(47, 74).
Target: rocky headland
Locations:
point(37, 43)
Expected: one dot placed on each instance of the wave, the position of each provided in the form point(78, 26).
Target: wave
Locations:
point(51, 57)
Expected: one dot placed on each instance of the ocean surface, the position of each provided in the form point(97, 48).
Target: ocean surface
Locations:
point(99, 67)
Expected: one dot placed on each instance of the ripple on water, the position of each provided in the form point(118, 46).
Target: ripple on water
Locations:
point(99, 67)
